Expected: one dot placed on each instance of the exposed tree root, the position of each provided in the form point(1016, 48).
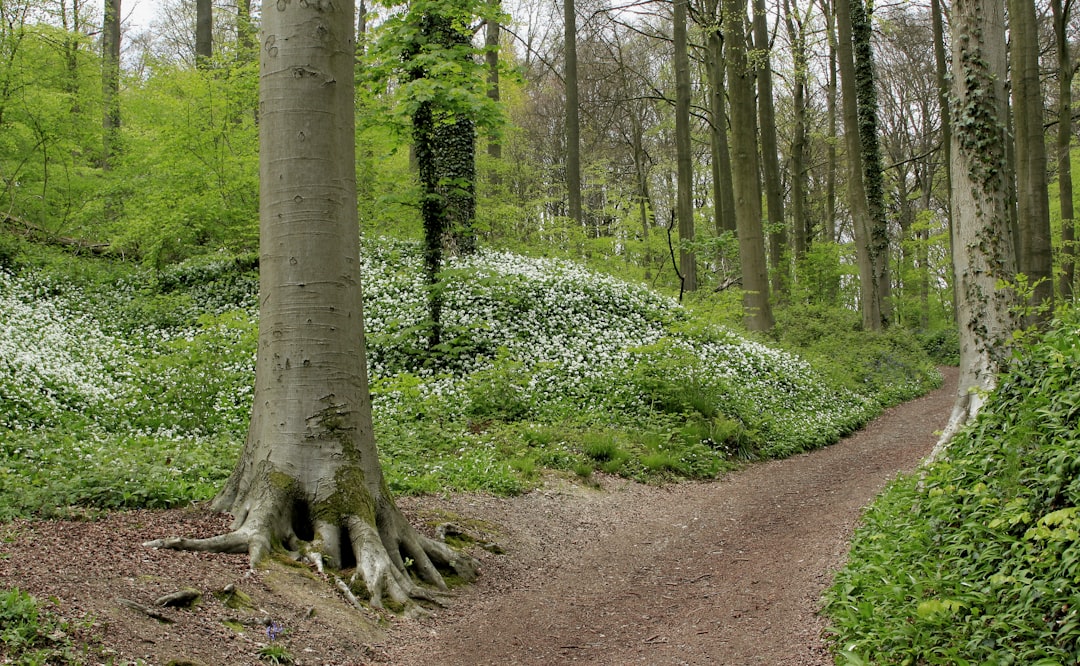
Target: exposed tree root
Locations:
point(384, 552)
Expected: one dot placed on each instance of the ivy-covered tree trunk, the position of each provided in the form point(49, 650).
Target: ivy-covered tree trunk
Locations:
point(982, 248)
point(869, 295)
point(870, 149)
point(309, 477)
point(445, 149)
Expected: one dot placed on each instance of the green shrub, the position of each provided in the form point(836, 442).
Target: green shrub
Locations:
point(977, 560)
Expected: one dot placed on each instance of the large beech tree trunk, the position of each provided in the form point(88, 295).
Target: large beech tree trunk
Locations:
point(982, 248)
point(309, 477)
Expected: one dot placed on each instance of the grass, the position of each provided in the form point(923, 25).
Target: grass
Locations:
point(126, 387)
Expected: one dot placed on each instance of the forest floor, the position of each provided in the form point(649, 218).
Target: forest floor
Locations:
point(726, 572)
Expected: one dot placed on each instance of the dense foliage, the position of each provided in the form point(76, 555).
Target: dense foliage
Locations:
point(141, 379)
point(975, 559)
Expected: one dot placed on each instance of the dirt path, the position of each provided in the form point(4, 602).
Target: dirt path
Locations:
point(721, 573)
point(727, 573)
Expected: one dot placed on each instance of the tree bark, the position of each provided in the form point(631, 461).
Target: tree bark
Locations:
point(799, 224)
point(245, 30)
point(869, 294)
point(204, 33)
point(938, 22)
point(110, 82)
point(832, 94)
point(1033, 206)
point(491, 57)
point(982, 250)
point(683, 159)
point(723, 196)
point(740, 86)
point(770, 156)
point(309, 477)
point(573, 123)
point(1065, 72)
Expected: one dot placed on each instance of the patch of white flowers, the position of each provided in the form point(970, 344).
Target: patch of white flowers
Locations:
point(52, 357)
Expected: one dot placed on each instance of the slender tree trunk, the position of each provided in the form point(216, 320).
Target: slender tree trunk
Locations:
point(799, 224)
point(723, 197)
point(110, 82)
point(1033, 206)
point(492, 33)
point(245, 29)
point(683, 157)
point(1064, 141)
point(831, 94)
point(740, 86)
point(204, 33)
point(770, 156)
point(869, 295)
point(983, 252)
point(946, 116)
point(309, 477)
point(573, 124)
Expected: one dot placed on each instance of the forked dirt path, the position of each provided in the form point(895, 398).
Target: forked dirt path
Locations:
point(729, 572)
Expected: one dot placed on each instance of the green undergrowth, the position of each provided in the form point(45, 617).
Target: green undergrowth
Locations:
point(31, 634)
point(126, 386)
point(978, 561)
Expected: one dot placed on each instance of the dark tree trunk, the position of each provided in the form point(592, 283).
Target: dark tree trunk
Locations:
point(204, 33)
point(573, 123)
point(684, 160)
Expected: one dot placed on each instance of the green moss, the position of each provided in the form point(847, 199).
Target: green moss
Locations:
point(350, 497)
point(234, 598)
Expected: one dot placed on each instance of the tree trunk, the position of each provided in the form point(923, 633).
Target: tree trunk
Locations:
point(110, 82)
point(770, 156)
point(946, 116)
point(573, 124)
point(491, 57)
point(683, 158)
point(245, 29)
point(982, 250)
point(1033, 207)
point(829, 230)
point(870, 304)
point(309, 477)
point(723, 196)
point(797, 35)
point(740, 86)
point(204, 33)
point(1064, 141)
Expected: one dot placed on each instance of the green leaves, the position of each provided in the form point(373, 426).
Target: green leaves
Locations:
point(978, 561)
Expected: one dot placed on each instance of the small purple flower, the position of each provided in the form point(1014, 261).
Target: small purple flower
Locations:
point(273, 630)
